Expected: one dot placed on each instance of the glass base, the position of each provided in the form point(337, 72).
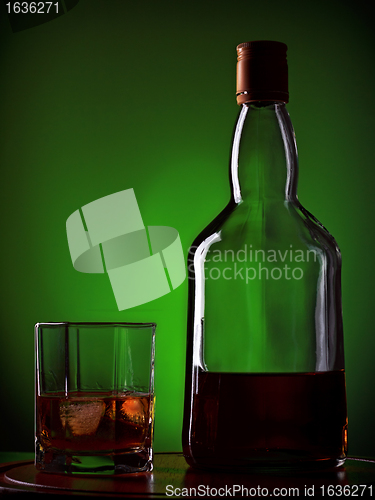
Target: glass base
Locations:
point(62, 462)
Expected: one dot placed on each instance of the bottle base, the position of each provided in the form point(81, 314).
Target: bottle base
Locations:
point(266, 462)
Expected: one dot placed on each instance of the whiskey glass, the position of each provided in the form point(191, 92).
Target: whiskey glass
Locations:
point(94, 397)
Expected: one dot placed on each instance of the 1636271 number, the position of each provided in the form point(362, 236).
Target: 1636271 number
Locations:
point(32, 7)
point(354, 490)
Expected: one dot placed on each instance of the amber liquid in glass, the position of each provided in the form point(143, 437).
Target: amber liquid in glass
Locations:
point(267, 420)
point(89, 422)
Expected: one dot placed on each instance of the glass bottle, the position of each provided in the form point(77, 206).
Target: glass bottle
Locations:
point(265, 380)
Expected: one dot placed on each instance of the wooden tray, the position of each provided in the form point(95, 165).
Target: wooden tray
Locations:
point(171, 474)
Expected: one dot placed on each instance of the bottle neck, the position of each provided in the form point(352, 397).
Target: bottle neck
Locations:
point(264, 163)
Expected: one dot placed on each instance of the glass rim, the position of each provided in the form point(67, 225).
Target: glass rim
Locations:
point(95, 323)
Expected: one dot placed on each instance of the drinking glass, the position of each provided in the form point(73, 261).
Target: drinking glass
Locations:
point(94, 403)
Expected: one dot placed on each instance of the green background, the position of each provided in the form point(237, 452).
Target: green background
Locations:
point(118, 94)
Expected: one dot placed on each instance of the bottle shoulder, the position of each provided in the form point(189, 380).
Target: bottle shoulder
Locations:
point(268, 224)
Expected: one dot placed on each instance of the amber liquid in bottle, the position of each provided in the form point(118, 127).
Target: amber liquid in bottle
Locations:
point(288, 418)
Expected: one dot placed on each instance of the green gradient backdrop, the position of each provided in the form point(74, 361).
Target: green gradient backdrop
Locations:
point(118, 94)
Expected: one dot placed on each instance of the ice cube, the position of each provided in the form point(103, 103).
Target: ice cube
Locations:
point(81, 417)
point(134, 410)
